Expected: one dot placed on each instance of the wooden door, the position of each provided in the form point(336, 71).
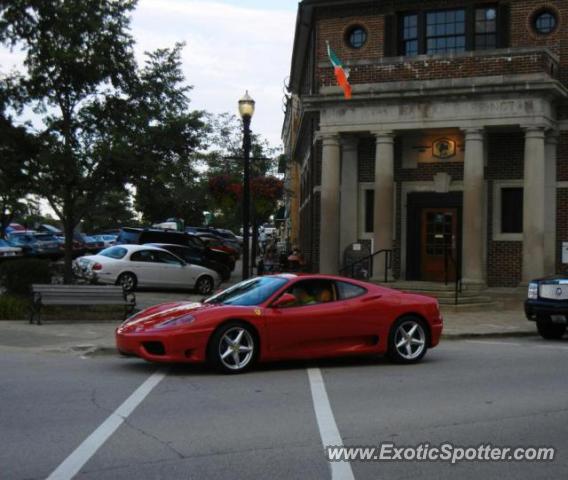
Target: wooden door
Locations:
point(438, 244)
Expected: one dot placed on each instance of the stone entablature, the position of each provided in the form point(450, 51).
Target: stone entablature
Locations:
point(458, 112)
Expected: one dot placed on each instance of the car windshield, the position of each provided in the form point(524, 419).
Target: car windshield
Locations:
point(250, 292)
point(114, 252)
point(128, 236)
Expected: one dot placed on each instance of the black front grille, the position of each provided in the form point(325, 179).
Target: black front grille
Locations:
point(154, 348)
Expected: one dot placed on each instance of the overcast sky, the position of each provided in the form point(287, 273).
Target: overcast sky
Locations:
point(232, 46)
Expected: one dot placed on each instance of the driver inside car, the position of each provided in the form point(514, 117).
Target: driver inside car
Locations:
point(304, 298)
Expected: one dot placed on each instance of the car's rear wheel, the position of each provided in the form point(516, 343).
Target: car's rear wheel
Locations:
point(550, 331)
point(408, 340)
point(205, 285)
point(127, 281)
point(233, 348)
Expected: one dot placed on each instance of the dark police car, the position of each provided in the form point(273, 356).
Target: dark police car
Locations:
point(547, 304)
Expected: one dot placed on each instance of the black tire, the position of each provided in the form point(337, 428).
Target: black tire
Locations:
point(204, 285)
point(218, 346)
point(408, 341)
point(127, 281)
point(549, 330)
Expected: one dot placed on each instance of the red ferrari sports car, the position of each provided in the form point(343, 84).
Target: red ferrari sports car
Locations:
point(284, 317)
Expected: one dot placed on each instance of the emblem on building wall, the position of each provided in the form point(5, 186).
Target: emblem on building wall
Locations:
point(444, 148)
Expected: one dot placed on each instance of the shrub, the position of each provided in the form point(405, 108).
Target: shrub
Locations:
point(13, 308)
point(17, 276)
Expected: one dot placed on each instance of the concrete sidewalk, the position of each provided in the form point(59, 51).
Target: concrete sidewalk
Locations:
point(82, 337)
point(502, 322)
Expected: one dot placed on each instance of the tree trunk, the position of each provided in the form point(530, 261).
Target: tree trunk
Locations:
point(5, 223)
point(68, 230)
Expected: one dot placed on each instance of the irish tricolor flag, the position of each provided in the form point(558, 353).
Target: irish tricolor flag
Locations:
point(341, 73)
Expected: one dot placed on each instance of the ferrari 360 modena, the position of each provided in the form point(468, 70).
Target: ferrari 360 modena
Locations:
point(285, 317)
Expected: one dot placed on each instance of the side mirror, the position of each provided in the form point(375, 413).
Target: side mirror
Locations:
point(285, 300)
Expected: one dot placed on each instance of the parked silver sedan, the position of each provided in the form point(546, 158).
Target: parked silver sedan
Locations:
point(135, 266)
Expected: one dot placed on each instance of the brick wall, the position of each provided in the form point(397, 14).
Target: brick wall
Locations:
point(366, 64)
point(366, 164)
point(335, 29)
point(505, 162)
point(562, 164)
point(561, 226)
point(506, 153)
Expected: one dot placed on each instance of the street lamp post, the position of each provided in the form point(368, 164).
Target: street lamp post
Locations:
point(246, 110)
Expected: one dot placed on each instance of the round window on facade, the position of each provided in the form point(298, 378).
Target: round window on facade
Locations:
point(357, 37)
point(545, 22)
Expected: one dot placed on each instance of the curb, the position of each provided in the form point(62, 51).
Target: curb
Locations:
point(465, 336)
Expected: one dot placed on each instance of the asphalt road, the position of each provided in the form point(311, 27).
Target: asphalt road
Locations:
point(190, 423)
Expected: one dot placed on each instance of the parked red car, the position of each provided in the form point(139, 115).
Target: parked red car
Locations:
point(285, 317)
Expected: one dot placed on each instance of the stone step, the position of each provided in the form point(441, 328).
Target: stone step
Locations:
point(430, 287)
point(466, 300)
point(444, 294)
point(492, 306)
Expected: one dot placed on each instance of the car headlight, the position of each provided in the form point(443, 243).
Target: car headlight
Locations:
point(175, 322)
point(533, 291)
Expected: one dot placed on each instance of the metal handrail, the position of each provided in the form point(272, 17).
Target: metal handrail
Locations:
point(389, 253)
point(457, 265)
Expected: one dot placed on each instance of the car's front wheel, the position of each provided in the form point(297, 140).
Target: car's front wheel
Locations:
point(408, 340)
point(550, 331)
point(127, 281)
point(205, 285)
point(233, 348)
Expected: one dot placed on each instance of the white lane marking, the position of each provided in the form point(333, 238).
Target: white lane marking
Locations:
point(516, 344)
point(74, 462)
point(329, 432)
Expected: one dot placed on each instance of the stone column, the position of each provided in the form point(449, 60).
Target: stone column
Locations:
point(329, 219)
point(348, 211)
point(550, 204)
point(534, 211)
point(384, 199)
point(473, 241)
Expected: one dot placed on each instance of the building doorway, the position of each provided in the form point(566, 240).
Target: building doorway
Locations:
point(434, 237)
point(438, 244)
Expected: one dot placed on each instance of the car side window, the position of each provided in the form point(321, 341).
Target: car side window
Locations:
point(313, 292)
point(347, 290)
point(146, 256)
point(164, 257)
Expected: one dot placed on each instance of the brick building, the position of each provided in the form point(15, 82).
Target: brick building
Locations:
point(453, 151)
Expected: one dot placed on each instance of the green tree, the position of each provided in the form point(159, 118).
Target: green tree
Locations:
point(113, 209)
point(16, 147)
point(223, 164)
point(79, 65)
point(166, 138)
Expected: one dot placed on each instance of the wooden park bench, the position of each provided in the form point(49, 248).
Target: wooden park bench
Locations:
point(79, 295)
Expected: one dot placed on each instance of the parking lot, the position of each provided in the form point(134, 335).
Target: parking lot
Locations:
point(189, 422)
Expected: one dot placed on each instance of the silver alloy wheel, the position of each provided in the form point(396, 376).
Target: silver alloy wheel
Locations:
point(236, 348)
point(204, 285)
point(410, 340)
point(127, 282)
